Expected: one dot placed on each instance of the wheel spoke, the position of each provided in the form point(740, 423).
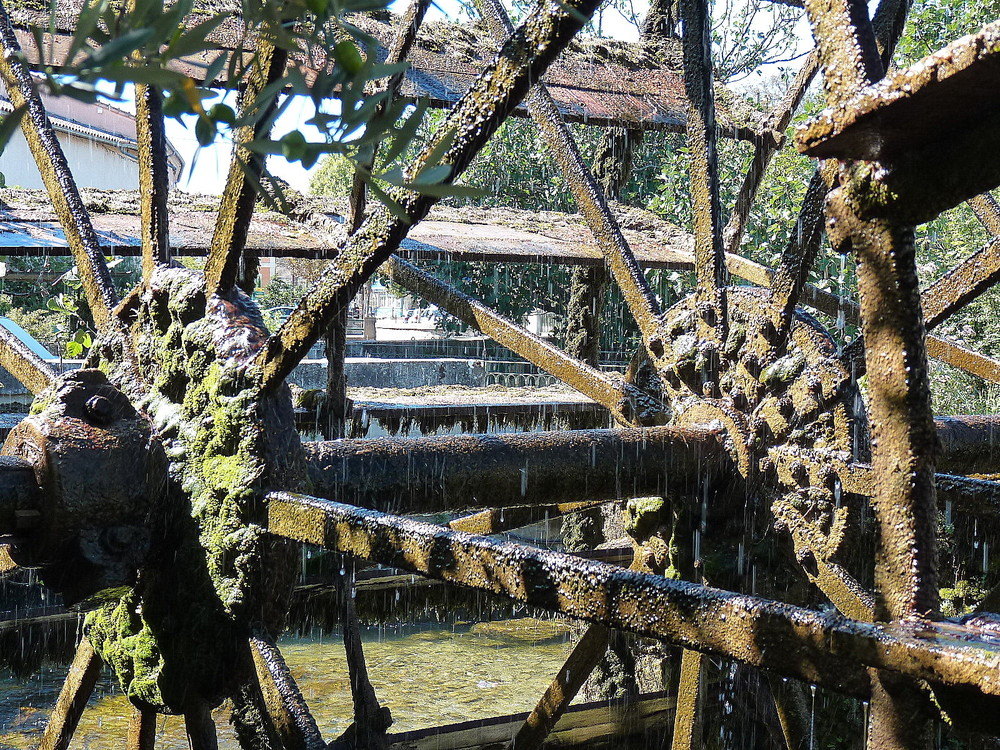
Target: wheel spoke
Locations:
point(904, 443)
point(812, 545)
point(627, 403)
point(764, 151)
point(962, 284)
point(287, 709)
point(798, 257)
point(154, 179)
point(141, 729)
point(371, 720)
point(946, 296)
point(73, 697)
point(494, 95)
point(19, 360)
point(847, 46)
point(588, 651)
point(710, 265)
point(59, 182)
point(200, 727)
point(792, 709)
point(398, 52)
point(689, 716)
point(987, 210)
point(245, 170)
point(589, 196)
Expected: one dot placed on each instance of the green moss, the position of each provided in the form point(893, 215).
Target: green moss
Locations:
point(173, 639)
point(961, 598)
point(643, 516)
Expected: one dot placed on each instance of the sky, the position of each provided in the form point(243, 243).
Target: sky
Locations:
point(206, 167)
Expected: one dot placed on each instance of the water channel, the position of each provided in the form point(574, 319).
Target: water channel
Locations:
point(428, 676)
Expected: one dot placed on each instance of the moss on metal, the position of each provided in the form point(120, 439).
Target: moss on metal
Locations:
point(173, 639)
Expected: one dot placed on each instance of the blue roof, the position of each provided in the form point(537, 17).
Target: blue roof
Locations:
point(30, 341)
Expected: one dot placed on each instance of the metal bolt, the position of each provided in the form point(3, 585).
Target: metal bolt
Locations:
point(99, 409)
point(656, 346)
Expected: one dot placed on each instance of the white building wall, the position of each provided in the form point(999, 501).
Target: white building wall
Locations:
point(95, 165)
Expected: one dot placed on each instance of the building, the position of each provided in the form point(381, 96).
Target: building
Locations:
point(99, 141)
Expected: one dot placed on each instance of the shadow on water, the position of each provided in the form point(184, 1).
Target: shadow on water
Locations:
point(427, 675)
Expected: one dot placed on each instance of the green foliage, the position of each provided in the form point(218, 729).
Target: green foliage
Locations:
point(139, 43)
point(280, 293)
point(276, 298)
point(932, 24)
point(333, 177)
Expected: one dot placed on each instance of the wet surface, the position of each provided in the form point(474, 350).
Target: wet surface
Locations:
point(437, 675)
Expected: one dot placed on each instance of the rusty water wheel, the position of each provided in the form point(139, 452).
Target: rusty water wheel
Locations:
point(159, 486)
point(153, 503)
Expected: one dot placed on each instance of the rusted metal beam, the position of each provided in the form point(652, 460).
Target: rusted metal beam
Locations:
point(521, 61)
point(454, 472)
point(798, 257)
point(73, 697)
point(978, 497)
point(900, 415)
point(7, 563)
point(587, 652)
point(789, 284)
point(400, 49)
point(936, 136)
point(987, 210)
point(371, 719)
point(710, 265)
point(141, 729)
point(627, 404)
point(815, 555)
point(19, 360)
point(825, 649)
point(293, 723)
point(57, 177)
point(589, 196)
point(795, 468)
point(551, 471)
point(939, 348)
point(847, 46)
point(245, 171)
point(793, 712)
point(924, 105)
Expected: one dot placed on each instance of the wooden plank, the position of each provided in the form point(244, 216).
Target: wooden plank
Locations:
point(586, 722)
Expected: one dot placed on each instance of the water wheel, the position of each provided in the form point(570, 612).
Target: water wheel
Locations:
point(161, 486)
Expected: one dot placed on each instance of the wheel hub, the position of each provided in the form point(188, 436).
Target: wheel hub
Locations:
point(152, 504)
point(800, 396)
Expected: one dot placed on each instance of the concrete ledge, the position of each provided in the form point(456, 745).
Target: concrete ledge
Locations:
point(377, 372)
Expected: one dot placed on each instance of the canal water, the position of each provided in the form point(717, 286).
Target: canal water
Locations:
point(428, 676)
